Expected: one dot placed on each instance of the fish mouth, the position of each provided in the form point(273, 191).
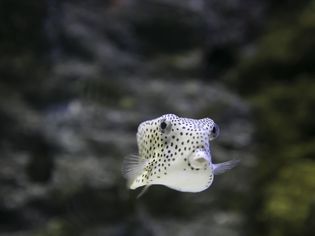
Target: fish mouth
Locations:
point(200, 158)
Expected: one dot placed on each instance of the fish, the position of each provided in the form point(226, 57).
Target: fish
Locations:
point(174, 152)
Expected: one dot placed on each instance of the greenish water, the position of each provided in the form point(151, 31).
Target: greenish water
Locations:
point(78, 77)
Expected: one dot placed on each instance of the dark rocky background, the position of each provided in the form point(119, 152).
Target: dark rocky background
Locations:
point(77, 77)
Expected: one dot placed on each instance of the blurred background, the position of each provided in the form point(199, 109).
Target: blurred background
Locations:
point(77, 77)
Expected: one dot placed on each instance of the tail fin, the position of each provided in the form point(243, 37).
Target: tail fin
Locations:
point(220, 168)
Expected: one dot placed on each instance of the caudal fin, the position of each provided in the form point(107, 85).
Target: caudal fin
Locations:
point(220, 168)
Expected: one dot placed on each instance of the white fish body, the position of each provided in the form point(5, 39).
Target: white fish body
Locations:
point(174, 152)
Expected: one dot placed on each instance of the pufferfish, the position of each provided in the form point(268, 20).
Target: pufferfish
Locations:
point(174, 152)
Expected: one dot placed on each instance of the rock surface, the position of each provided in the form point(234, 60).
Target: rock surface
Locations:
point(77, 77)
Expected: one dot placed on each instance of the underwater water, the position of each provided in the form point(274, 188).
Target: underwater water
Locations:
point(78, 77)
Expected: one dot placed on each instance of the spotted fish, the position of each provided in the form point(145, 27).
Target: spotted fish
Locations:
point(175, 152)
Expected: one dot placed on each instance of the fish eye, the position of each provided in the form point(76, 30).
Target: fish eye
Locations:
point(163, 125)
point(214, 132)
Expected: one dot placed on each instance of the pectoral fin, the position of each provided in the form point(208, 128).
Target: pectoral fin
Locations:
point(220, 168)
point(132, 167)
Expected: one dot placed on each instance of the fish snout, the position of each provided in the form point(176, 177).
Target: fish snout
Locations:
point(200, 158)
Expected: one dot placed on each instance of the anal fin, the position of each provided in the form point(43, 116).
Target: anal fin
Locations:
point(143, 191)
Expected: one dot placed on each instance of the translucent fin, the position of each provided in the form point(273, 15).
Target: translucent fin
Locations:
point(220, 168)
point(132, 166)
point(144, 189)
